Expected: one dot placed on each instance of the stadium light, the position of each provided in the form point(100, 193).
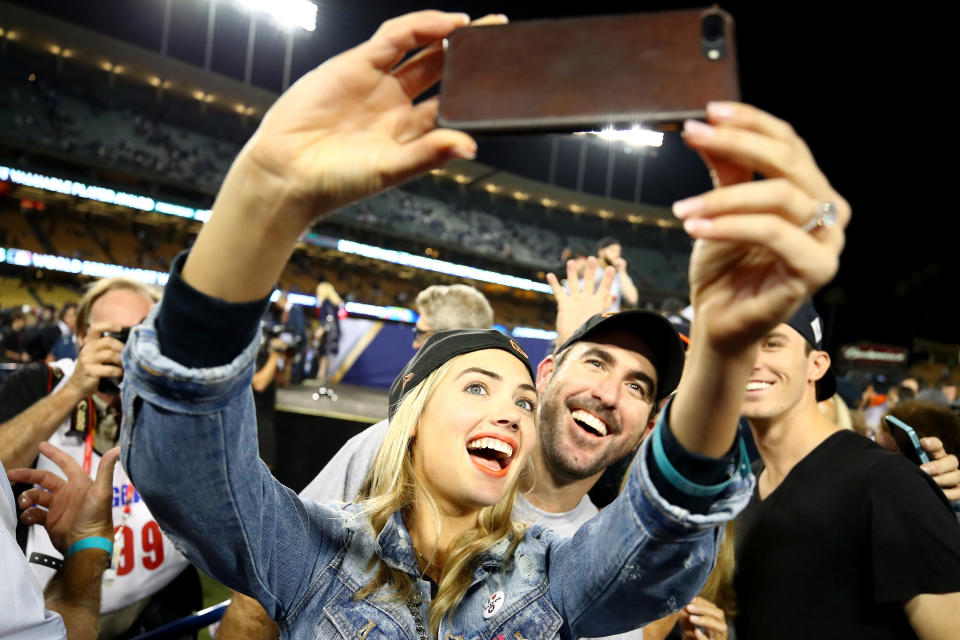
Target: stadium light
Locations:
point(635, 136)
point(286, 13)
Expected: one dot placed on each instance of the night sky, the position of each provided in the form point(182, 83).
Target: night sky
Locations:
point(867, 90)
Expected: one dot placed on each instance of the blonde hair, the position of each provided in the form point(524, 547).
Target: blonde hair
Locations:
point(390, 486)
point(103, 286)
point(325, 291)
point(718, 587)
point(455, 306)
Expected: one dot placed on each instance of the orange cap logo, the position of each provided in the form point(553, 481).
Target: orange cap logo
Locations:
point(517, 348)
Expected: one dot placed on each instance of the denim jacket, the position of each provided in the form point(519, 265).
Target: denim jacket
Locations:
point(190, 446)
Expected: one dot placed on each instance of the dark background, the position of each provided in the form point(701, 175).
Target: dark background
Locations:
point(868, 89)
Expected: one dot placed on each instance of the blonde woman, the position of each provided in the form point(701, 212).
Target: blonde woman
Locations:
point(431, 551)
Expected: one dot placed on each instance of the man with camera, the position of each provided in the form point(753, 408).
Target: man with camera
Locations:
point(75, 405)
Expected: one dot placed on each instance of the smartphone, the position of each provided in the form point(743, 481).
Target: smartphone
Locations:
point(907, 440)
point(586, 74)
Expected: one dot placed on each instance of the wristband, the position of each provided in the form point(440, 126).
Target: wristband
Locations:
point(676, 479)
point(93, 542)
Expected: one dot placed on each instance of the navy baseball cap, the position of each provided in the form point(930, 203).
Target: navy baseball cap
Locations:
point(444, 345)
point(654, 329)
point(806, 321)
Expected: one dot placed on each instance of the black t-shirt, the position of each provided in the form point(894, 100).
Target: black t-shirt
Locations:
point(23, 387)
point(849, 536)
point(10, 341)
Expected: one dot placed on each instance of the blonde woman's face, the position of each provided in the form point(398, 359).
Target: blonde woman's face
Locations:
point(477, 430)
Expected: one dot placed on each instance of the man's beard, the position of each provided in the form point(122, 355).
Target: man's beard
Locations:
point(553, 417)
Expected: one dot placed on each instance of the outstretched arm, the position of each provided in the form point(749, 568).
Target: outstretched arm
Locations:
point(749, 271)
point(752, 264)
point(627, 289)
point(346, 130)
point(582, 299)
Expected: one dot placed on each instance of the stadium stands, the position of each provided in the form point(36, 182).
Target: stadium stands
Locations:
point(121, 125)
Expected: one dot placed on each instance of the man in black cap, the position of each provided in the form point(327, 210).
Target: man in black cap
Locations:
point(841, 537)
point(598, 392)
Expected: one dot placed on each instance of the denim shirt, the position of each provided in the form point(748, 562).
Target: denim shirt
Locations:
point(190, 445)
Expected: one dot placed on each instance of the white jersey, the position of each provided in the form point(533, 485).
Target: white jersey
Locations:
point(148, 560)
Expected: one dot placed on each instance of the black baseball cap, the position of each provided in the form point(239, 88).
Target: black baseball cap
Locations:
point(806, 321)
point(444, 345)
point(654, 329)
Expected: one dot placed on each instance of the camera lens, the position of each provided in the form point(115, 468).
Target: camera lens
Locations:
point(712, 42)
point(713, 28)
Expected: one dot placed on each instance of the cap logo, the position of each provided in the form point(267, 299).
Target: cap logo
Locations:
point(518, 349)
point(817, 332)
point(406, 379)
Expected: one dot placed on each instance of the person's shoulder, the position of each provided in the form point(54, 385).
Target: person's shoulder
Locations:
point(34, 375)
point(856, 451)
point(371, 437)
point(895, 480)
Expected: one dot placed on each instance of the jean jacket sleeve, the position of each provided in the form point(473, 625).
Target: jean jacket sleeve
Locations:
point(640, 559)
point(189, 444)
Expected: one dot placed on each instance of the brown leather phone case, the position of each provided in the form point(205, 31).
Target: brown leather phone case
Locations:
point(580, 74)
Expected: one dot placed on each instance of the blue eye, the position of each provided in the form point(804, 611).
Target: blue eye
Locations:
point(475, 388)
point(526, 404)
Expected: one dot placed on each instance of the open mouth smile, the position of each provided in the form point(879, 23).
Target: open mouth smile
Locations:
point(589, 422)
point(492, 454)
point(758, 385)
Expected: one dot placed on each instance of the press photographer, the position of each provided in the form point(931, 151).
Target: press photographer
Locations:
point(75, 405)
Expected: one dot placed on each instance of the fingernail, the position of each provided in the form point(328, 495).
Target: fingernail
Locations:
point(925, 468)
point(688, 206)
point(23, 499)
point(463, 17)
point(464, 151)
point(720, 110)
point(697, 225)
point(697, 129)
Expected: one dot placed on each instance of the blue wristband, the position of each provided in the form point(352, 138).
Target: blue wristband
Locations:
point(676, 479)
point(93, 542)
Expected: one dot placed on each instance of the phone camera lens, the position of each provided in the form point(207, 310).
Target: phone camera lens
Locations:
point(713, 27)
point(713, 44)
